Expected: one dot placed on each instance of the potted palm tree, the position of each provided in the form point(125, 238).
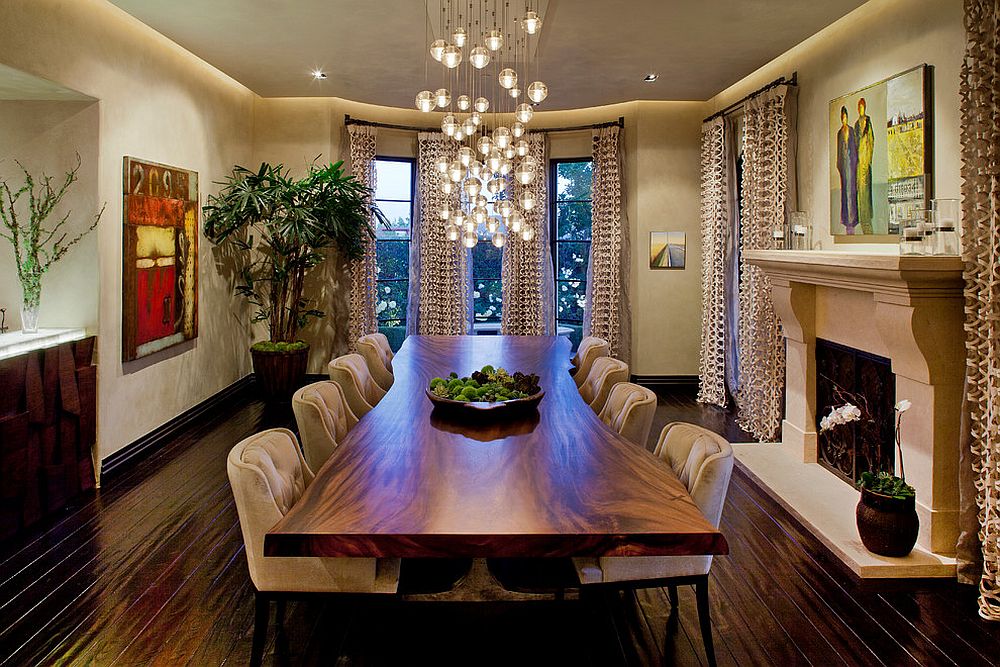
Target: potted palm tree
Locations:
point(278, 228)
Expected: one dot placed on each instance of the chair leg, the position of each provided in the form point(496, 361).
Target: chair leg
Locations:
point(261, 614)
point(704, 619)
point(279, 613)
point(672, 593)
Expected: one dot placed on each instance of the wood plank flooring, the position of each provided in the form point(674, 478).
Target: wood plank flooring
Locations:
point(150, 570)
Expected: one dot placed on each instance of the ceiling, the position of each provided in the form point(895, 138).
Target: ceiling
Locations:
point(591, 52)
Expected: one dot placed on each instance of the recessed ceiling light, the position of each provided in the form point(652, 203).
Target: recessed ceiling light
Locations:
point(651, 77)
point(319, 75)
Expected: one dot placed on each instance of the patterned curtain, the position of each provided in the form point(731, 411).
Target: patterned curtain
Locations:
point(608, 312)
point(528, 287)
point(362, 319)
point(441, 284)
point(980, 92)
point(714, 233)
point(766, 179)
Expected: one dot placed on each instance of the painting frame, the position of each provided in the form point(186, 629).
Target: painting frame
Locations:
point(668, 250)
point(160, 233)
point(902, 131)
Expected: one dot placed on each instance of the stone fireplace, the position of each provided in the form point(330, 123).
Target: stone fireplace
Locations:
point(905, 311)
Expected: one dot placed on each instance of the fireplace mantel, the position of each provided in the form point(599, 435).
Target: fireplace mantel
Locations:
point(906, 308)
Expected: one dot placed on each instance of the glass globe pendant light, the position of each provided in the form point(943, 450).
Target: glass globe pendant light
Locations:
point(537, 91)
point(459, 134)
point(507, 78)
point(470, 239)
point(485, 144)
point(459, 36)
point(525, 172)
point(518, 129)
point(464, 102)
point(477, 118)
point(502, 137)
point(456, 172)
point(476, 168)
point(521, 148)
point(496, 186)
point(504, 208)
point(505, 167)
point(514, 92)
point(425, 100)
point(449, 124)
point(470, 225)
point(441, 164)
point(494, 40)
point(472, 187)
point(509, 152)
point(481, 201)
point(437, 49)
point(527, 233)
point(451, 57)
point(499, 240)
point(442, 97)
point(447, 187)
point(492, 224)
point(524, 112)
point(482, 104)
point(466, 155)
point(515, 223)
point(469, 127)
point(479, 214)
point(494, 160)
point(452, 233)
point(532, 23)
point(445, 211)
point(458, 219)
point(479, 57)
point(527, 200)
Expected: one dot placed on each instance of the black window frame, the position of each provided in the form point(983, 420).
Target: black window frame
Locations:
point(399, 322)
point(554, 239)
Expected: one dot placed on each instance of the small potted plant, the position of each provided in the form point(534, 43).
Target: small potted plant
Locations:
point(278, 227)
point(886, 514)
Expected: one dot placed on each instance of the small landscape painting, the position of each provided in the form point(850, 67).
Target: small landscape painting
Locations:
point(667, 250)
point(879, 161)
point(159, 257)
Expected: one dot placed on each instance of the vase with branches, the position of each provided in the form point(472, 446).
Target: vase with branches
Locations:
point(25, 211)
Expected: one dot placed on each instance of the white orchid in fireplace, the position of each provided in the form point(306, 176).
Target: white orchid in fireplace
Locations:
point(883, 482)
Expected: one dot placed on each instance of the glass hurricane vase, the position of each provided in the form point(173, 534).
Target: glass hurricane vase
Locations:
point(31, 297)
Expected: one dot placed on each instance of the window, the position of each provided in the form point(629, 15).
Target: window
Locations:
point(570, 214)
point(394, 196)
point(487, 290)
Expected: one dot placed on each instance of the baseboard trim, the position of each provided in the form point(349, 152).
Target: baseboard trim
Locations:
point(135, 451)
point(673, 381)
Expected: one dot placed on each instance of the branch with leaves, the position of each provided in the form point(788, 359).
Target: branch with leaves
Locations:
point(38, 245)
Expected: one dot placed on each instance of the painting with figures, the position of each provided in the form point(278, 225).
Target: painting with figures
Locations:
point(159, 257)
point(879, 157)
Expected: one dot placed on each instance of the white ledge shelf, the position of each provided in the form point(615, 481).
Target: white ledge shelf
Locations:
point(18, 342)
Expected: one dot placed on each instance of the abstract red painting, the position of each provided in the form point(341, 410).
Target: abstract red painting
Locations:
point(159, 257)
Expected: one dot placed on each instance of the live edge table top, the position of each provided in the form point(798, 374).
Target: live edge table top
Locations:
point(410, 482)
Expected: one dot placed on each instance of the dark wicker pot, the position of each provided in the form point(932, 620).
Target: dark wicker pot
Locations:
point(279, 373)
point(888, 526)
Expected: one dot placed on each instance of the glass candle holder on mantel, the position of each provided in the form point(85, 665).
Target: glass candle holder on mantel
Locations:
point(800, 231)
point(911, 242)
point(778, 238)
point(946, 215)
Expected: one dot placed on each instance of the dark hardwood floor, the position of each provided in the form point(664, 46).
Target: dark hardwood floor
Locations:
point(151, 570)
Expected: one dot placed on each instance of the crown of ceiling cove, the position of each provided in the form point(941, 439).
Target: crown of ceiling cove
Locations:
point(589, 52)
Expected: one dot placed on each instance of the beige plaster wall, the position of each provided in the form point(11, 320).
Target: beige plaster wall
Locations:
point(45, 137)
point(158, 102)
point(879, 39)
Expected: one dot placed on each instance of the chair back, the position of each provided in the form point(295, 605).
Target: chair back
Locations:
point(591, 348)
point(629, 411)
point(323, 418)
point(703, 461)
point(378, 356)
point(605, 373)
point(360, 389)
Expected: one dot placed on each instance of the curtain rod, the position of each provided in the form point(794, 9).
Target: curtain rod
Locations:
point(411, 128)
point(777, 82)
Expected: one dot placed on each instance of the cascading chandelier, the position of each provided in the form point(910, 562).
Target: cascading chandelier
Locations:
point(485, 55)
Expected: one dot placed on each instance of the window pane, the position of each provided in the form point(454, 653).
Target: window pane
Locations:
point(573, 221)
point(571, 295)
point(390, 305)
point(573, 180)
point(487, 295)
point(572, 260)
point(393, 179)
point(392, 259)
point(486, 259)
point(399, 219)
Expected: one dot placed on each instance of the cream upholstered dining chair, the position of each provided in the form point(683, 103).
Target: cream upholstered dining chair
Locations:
point(268, 476)
point(703, 461)
point(629, 411)
point(323, 418)
point(604, 374)
point(378, 355)
point(360, 389)
point(590, 349)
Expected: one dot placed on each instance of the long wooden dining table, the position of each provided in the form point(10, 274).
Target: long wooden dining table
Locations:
point(408, 481)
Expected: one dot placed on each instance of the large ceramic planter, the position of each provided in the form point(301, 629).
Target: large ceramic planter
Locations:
point(888, 526)
point(279, 372)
